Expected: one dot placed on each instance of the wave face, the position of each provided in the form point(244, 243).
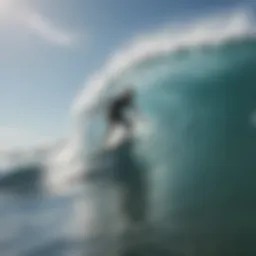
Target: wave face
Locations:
point(197, 88)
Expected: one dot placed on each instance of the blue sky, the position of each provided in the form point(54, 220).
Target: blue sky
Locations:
point(48, 48)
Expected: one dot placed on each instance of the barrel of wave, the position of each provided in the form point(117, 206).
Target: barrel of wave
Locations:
point(192, 98)
point(202, 154)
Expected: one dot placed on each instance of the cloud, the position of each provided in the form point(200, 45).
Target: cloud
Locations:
point(43, 27)
point(35, 23)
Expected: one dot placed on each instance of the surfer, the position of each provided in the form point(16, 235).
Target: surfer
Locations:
point(117, 111)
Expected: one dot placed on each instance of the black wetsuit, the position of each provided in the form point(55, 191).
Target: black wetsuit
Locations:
point(116, 111)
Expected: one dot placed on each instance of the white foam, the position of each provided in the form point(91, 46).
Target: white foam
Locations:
point(210, 30)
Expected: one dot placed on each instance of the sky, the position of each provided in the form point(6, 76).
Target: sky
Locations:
point(49, 48)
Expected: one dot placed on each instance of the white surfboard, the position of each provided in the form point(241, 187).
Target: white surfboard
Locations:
point(119, 135)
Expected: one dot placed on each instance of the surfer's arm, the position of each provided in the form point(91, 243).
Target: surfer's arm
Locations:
point(135, 110)
point(137, 114)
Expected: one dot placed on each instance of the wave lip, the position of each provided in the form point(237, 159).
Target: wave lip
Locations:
point(205, 31)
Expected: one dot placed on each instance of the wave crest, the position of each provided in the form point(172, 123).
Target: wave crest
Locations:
point(216, 29)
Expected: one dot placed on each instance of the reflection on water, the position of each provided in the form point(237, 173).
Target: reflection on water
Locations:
point(90, 222)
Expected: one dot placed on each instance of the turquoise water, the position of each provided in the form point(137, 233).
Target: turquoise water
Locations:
point(190, 173)
point(204, 141)
point(199, 156)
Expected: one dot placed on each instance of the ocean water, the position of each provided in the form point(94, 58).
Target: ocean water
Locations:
point(185, 185)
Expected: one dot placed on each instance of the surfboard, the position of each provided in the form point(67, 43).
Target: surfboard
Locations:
point(118, 136)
